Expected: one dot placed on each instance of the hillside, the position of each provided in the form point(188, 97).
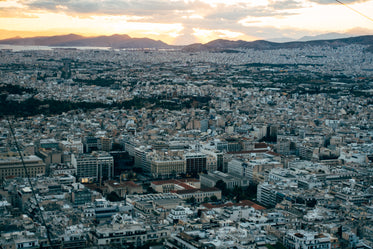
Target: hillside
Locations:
point(72, 40)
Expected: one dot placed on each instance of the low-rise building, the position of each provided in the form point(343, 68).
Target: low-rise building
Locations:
point(306, 240)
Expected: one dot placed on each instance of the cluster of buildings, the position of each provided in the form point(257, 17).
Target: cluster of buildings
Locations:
point(175, 178)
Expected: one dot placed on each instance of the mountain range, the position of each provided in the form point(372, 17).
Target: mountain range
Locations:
point(73, 40)
point(219, 45)
point(125, 41)
point(327, 36)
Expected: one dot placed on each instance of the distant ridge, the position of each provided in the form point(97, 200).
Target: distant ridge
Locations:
point(327, 36)
point(42, 40)
point(125, 41)
point(220, 45)
point(73, 40)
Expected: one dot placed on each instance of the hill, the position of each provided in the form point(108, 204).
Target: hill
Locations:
point(73, 40)
point(125, 41)
point(220, 45)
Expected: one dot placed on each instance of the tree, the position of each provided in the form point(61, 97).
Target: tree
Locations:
point(299, 200)
point(192, 200)
point(117, 147)
point(237, 193)
point(311, 202)
point(220, 184)
point(213, 198)
point(113, 197)
point(250, 191)
point(206, 199)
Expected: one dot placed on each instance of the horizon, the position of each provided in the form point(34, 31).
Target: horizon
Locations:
point(303, 39)
point(183, 22)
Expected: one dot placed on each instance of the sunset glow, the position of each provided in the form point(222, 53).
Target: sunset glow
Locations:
point(185, 21)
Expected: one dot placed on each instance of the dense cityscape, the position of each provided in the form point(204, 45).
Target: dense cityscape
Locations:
point(168, 148)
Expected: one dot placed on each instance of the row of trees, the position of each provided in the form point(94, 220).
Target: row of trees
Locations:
point(15, 89)
point(32, 106)
point(238, 193)
point(193, 201)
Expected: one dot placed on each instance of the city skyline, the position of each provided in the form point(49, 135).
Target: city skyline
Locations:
point(185, 22)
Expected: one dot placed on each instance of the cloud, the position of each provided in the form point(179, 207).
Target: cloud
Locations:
point(335, 2)
point(210, 16)
point(285, 4)
point(359, 31)
point(237, 12)
point(113, 7)
point(221, 18)
point(233, 19)
point(14, 12)
point(164, 7)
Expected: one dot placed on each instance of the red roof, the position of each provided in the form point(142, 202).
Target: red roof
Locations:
point(10, 177)
point(131, 184)
point(273, 153)
point(260, 145)
point(185, 186)
point(164, 182)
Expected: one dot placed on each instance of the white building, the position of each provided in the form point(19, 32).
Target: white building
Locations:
point(306, 240)
point(179, 213)
point(96, 165)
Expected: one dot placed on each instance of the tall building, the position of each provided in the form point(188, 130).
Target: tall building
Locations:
point(12, 166)
point(99, 166)
point(195, 163)
point(140, 158)
point(238, 168)
point(91, 143)
point(204, 125)
point(271, 135)
point(215, 159)
point(106, 144)
point(122, 162)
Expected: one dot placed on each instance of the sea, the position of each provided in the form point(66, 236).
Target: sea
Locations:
point(16, 48)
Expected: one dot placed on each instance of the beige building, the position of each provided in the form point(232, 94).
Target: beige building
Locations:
point(167, 168)
point(199, 194)
point(166, 186)
point(123, 188)
point(168, 163)
point(12, 166)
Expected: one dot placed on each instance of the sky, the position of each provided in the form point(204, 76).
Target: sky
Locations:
point(186, 21)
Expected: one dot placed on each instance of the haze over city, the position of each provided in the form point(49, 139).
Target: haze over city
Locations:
point(112, 136)
point(187, 21)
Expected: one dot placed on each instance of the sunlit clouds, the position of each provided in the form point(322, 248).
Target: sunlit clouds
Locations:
point(184, 21)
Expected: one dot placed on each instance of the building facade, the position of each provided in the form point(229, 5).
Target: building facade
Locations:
point(195, 163)
point(99, 166)
point(12, 166)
